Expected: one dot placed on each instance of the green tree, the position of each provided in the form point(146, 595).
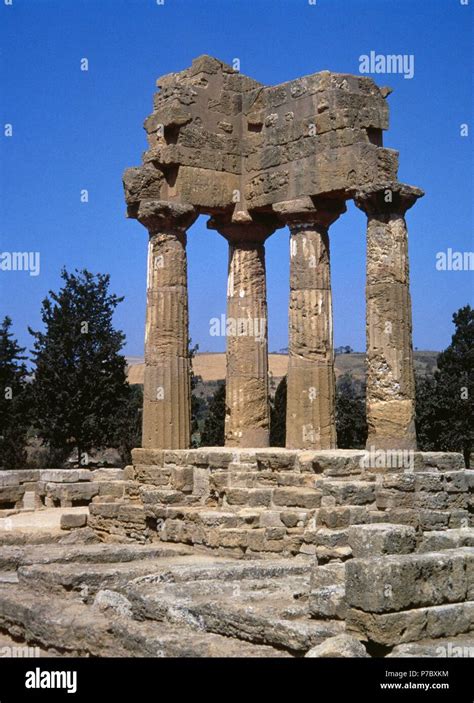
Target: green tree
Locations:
point(213, 434)
point(128, 425)
point(351, 423)
point(80, 384)
point(278, 416)
point(444, 401)
point(14, 405)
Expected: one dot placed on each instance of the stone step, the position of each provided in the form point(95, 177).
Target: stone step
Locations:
point(11, 557)
point(276, 498)
point(225, 480)
point(447, 539)
point(61, 577)
point(327, 544)
point(162, 496)
point(346, 492)
point(69, 627)
point(121, 520)
point(224, 609)
point(342, 516)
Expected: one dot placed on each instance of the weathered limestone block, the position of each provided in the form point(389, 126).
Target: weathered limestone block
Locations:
point(328, 575)
point(439, 461)
point(8, 478)
point(390, 377)
point(148, 457)
point(449, 539)
point(11, 495)
point(401, 582)
point(340, 517)
point(152, 475)
point(298, 497)
point(65, 475)
point(182, 478)
point(377, 540)
point(69, 493)
point(71, 521)
point(107, 475)
point(411, 625)
point(337, 463)
point(18, 476)
point(344, 646)
point(328, 602)
point(347, 492)
point(113, 489)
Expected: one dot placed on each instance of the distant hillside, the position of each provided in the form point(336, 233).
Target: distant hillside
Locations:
point(211, 367)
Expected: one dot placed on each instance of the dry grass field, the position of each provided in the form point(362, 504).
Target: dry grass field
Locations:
point(211, 367)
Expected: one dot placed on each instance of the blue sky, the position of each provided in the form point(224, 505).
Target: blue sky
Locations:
point(76, 130)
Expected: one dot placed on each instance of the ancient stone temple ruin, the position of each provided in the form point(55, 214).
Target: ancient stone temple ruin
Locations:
point(255, 158)
point(248, 550)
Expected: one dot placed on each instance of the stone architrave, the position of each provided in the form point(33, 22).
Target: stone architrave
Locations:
point(390, 374)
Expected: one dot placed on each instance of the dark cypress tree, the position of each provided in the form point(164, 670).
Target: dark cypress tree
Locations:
point(80, 384)
point(351, 423)
point(278, 416)
point(445, 401)
point(213, 434)
point(128, 421)
point(14, 402)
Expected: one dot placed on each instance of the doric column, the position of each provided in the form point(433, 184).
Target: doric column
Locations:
point(390, 375)
point(166, 391)
point(310, 414)
point(247, 420)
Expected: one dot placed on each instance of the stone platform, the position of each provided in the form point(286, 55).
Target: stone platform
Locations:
point(254, 553)
point(262, 502)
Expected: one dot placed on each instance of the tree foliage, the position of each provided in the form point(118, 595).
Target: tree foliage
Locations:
point(14, 400)
point(444, 401)
point(278, 416)
point(213, 434)
point(351, 423)
point(80, 387)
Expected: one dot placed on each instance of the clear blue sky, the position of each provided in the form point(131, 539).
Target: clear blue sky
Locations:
point(75, 130)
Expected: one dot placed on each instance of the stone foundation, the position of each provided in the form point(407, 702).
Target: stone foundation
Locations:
point(254, 553)
point(260, 502)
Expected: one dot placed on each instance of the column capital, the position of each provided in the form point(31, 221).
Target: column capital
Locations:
point(244, 234)
point(160, 216)
point(308, 211)
point(383, 200)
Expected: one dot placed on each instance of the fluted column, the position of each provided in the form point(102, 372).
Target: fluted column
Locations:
point(247, 420)
point(166, 391)
point(310, 414)
point(390, 373)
